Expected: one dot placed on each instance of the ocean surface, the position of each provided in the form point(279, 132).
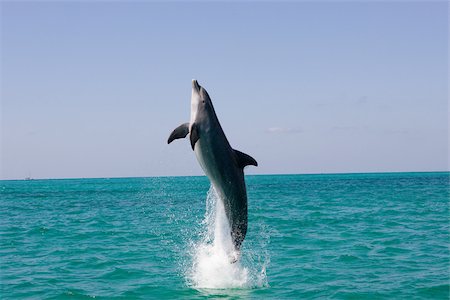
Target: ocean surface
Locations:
point(344, 236)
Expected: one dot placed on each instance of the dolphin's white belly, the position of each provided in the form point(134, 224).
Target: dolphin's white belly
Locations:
point(206, 161)
point(213, 165)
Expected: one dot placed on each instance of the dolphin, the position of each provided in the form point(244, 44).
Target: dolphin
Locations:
point(223, 165)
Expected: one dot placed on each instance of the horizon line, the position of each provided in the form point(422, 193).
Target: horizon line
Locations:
point(268, 174)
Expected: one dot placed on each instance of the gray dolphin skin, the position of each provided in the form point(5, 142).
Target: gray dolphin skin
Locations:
point(223, 165)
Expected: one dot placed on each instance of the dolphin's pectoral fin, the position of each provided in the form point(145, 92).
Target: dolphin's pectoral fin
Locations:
point(244, 159)
point(194, 135)
point(179, 132)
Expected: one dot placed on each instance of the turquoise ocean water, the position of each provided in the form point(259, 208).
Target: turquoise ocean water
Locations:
point(349, 236)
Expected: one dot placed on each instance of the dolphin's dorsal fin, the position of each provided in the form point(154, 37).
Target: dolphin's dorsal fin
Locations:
point(194, 135)
point(179, 132)
point(243, 159)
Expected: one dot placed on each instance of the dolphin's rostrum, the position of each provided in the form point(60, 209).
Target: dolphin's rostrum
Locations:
point(223, 165)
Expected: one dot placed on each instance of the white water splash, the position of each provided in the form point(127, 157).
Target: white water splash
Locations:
point(212, 255)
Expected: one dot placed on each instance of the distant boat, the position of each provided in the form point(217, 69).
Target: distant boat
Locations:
point(28, 178)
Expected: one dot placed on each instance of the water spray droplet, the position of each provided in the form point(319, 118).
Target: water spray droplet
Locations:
point(215, 263)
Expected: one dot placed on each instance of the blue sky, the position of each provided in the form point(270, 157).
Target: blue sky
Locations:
point(94, 89)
